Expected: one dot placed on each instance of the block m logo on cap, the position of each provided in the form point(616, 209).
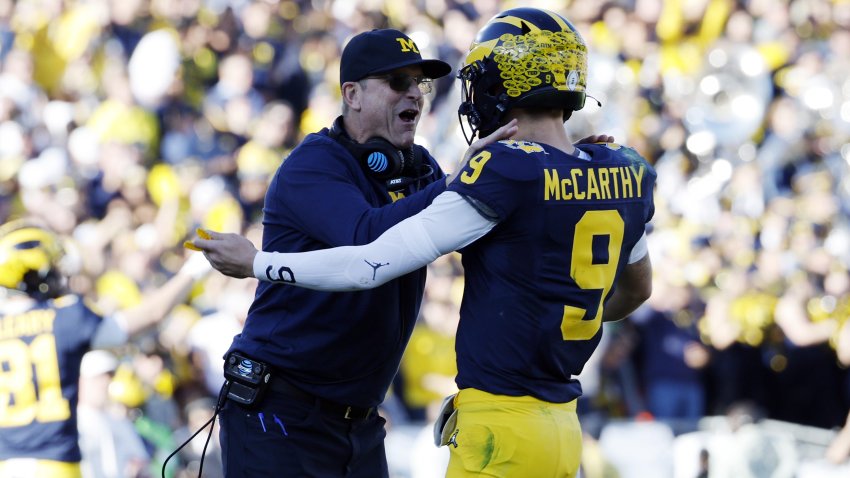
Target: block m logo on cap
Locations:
point(407, 45)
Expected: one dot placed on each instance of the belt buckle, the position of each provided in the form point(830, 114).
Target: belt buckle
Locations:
point(347, 415)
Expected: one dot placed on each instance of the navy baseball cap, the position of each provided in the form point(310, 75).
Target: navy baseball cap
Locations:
point(380, 51)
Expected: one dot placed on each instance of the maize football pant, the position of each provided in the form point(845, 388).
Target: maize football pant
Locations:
point(502, 436)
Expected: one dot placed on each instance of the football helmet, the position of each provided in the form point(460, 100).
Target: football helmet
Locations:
point(522, 58)
point(29, 259)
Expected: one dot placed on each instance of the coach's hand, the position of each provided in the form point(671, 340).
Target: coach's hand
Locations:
point(230, 254)
point(504, 132)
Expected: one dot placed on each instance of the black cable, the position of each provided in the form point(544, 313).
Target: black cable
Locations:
point(204, 451)
point(219, 403)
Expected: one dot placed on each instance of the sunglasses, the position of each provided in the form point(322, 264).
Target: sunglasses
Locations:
point(401, 82)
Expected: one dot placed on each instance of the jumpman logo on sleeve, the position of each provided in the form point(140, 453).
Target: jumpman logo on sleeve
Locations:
point(375, 267)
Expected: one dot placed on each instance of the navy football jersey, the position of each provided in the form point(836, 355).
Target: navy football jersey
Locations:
point(41, 348)
point(537, 283)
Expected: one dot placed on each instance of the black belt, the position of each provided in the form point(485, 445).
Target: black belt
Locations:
point(335, 409)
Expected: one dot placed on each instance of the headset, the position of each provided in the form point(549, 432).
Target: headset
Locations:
point(383, 160)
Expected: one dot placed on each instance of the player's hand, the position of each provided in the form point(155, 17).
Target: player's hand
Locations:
point(504, 132)
point(596, 138)
point(230, 254)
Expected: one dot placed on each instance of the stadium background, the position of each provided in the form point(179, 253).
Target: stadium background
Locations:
point(125, 124)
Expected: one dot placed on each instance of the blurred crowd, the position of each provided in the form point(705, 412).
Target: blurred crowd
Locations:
point(126, 124)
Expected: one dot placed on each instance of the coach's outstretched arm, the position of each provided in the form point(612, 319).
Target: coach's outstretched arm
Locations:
point(449, 223)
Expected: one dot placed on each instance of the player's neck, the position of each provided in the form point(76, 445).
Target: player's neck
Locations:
point(544, 129)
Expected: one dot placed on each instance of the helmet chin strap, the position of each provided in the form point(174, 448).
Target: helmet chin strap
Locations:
point(466, 109)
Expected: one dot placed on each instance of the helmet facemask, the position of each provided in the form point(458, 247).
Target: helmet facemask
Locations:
point(482, 103)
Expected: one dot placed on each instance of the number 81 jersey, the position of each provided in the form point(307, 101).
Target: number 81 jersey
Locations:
point(536, 285)
point(41, 348)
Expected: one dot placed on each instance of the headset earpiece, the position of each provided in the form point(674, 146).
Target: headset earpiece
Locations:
point(380, 157)
point(377, 155)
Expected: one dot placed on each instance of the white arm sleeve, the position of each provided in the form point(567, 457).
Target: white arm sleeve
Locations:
point(449, 223)
point(640, 250)
point(111, 332)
